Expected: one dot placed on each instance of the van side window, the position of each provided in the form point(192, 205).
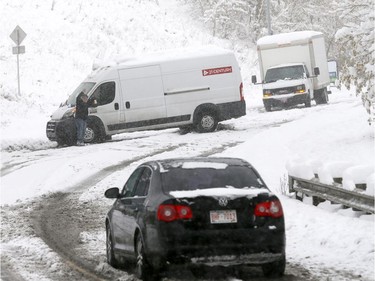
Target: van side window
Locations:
point(105, 93)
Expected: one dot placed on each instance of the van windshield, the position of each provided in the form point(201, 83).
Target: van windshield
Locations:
point(85, 87)
point(284, 73)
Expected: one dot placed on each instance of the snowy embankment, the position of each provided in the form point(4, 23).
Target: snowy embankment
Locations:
point(65, 38)
point(335, 133)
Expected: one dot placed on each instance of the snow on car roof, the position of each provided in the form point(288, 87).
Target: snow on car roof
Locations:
point(199, 162)
point(207, 165)
point(228, 191)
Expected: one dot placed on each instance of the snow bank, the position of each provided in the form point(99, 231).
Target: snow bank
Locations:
point(332, 170)
point(343, 172)
point(300, 169)
point(370, 185)
point(356, 175)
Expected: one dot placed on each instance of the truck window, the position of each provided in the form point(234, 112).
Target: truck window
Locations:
point(105, 93)
point(284, 73)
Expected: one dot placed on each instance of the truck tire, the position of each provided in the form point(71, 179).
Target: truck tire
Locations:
point(308, 101)
point(268, 108)
point(321, 96)
point(207, 121)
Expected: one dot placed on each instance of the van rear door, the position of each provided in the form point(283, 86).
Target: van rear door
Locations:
point(143, 96)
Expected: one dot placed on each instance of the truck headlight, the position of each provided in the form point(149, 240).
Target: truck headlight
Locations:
point(69, 113)
point(267, 93)
point(300, 89)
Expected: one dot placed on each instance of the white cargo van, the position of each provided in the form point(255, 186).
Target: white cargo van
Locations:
point(181, 88)
point(293, 69)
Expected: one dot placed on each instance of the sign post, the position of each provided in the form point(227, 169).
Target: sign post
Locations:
point(18, 35)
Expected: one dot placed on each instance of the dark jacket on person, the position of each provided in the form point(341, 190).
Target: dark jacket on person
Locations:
point(82, 108)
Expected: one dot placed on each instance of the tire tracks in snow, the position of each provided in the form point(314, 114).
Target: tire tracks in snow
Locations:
point(59, 223)
point(59, 219)
point(62, 217)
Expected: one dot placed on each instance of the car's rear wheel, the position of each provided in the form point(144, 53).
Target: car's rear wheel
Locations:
point(274, 269)
point(143, 270)
point(111, 259)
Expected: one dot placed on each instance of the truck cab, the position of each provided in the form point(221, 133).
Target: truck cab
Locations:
point(287, 83)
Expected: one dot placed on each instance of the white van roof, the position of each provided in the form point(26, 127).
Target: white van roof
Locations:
point(168, 59)
point(164, 56)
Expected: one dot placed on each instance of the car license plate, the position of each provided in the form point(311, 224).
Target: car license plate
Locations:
point(223, 216)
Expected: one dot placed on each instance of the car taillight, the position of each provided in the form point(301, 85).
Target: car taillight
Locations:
point(242, 98)
point(168, 213)
point(269, 209)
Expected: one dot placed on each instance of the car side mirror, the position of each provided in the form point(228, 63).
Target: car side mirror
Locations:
point(112, 193)
point(254, 79)
point(316, 71)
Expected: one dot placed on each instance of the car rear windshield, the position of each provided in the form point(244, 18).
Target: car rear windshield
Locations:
point(176, 179)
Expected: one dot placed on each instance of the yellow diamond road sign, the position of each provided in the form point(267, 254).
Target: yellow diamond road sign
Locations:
point(17, 35)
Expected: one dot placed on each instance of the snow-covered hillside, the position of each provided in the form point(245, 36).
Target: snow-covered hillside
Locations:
point(65, 38)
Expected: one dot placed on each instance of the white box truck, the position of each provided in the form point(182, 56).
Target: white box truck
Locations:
point(178, 88)
point(293, 69)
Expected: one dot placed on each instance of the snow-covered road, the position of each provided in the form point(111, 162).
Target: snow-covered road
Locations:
point(53, 206)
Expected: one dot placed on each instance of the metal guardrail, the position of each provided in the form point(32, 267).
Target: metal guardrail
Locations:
point(334, 193)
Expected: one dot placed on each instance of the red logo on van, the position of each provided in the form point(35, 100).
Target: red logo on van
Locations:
point(219, 70)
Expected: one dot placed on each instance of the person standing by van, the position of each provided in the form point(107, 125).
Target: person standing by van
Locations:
point(82, 111)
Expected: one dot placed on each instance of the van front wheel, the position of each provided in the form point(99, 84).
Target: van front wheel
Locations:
point(92, 133)
point(207, 122)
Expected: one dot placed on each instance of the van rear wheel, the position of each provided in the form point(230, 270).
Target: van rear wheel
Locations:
point(207, 122)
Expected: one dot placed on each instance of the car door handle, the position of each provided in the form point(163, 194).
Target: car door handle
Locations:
point(127, 105)
point(116, 106)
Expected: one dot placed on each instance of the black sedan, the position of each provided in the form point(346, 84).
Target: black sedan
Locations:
point(212, 211)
